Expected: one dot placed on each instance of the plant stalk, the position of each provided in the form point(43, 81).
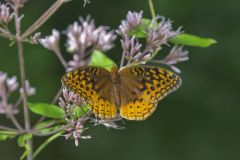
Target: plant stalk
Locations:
point(22, 75)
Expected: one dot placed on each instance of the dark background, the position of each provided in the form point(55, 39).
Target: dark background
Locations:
point(200, 121)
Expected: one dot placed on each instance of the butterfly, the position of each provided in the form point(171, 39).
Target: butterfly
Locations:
point(132, 91)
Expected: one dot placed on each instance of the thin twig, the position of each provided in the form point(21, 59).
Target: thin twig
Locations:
point(62, 60)
point(40, 21)
point(8, 128)
point(57, 96)
point(18, 102)
point(5, 33)
point(15, 122)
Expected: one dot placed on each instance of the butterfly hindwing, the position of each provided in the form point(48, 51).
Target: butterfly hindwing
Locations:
point(91, 83)
point(142, 88)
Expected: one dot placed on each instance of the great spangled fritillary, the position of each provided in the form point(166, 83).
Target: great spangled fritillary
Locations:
point(133, 91)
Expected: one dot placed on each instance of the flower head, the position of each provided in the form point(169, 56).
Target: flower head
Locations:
point(5, 14)
point(74, 127)
point(160, 34)
point(131, 47)
point(75, 130)
point(177, 54)
point(7, 87)
point(156, 33)
point(70, 100)
point(12, 84)
point(51, 42)
point(85, 36)
point(133, 20)
point(30, 91)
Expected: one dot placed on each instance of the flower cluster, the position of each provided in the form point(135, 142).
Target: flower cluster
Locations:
point(6, 16)
point(82, 39)
point(157, 34)
point(77, 114)
point(7, 87)
point(73, 105)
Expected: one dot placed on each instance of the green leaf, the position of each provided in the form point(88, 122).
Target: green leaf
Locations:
point(192, 40)
point(22, 142)
point(44, 124)
point(8, 132)
point(100, 59)
point(47, 126)
point(25, 153)
point(80, 111)
point(49, 129)
point(47, 110)
point(4, 135)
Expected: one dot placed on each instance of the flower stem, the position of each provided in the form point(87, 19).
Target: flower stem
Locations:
point(40, 21)
point(151, 7)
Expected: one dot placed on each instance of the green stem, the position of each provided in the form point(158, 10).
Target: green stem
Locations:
point(44, 144)
point(151, 7)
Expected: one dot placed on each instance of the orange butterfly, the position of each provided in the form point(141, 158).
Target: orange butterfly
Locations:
point(133, 90)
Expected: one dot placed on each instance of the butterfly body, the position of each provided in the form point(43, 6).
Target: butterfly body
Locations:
point(133, 91)
point(116, 81)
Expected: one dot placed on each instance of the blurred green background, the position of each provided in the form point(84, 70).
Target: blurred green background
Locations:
point(200, 121)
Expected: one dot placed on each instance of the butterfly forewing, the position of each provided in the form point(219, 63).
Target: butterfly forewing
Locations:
point(141, 89)
point(92, 84)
